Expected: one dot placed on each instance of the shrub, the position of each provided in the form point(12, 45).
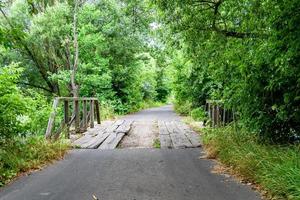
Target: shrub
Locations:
point(12, 102)
point(183, 108)
point(21, 154)
point(198, 114)
point(275, 168)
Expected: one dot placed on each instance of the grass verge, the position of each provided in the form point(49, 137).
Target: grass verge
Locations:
point(275, 169)
point(24, 154)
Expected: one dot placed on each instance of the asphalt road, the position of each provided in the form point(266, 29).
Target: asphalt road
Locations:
point(129, 174)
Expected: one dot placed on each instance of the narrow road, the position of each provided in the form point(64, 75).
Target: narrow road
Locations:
point(130, 174)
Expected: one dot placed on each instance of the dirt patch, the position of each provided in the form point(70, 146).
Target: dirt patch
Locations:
point(142, 135)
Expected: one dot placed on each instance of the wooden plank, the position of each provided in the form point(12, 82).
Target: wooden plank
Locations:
point(96, 141)
point(162, 129)
point(51, 119)
point(94, 137)
point(117, 132)
point(164, 136)
point(76, 98)
point(125, 127)
point(115, 125)
point(192, 136)
point(177, 136)
point(165, 141)
point(112, 141)
point(170, 127)
point(91, 133)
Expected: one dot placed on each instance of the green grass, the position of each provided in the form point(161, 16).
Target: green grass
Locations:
point(274, 168)
point(21, 155)
point(156, 143)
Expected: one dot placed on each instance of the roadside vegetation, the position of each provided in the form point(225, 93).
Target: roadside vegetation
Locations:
point(132, 54)
point(20, 155)
point(275, 169)
point(156, 143)
point(272, 169)
point(244, 54)
point(104, 49)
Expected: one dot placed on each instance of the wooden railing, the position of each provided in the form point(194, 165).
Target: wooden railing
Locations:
point(80, 120)
point(217, 113)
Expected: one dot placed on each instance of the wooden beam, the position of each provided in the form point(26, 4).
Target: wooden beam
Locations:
point(51, 119)
point(98, 112)
point(77, 98)
point(85, 117)
point(77, 116)
point(66, 117)
point(92, 113)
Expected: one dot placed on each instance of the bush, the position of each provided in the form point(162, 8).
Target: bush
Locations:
point(21, 154)
point(275, 168)
point(183, 108)
point(20, 114)
point(198, 114)
point(12, 102)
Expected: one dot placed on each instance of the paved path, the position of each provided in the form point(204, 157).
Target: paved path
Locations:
point(130, 174)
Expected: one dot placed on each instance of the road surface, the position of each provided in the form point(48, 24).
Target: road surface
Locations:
point(130, 174)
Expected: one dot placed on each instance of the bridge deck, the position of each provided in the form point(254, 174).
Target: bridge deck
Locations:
point(104, 136)
point(172, 134)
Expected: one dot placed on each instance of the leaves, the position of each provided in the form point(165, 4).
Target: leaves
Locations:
point(244, 53)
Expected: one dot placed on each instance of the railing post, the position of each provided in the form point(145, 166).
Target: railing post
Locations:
point(77, 115)
point(97, 112)
point(66, 117)
point(218, 115)
point(51, 119)
point(213, 116)
point(85, 115)
point(224, 115)
point(92, 113)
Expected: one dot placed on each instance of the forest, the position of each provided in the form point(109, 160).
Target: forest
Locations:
point(134, 54)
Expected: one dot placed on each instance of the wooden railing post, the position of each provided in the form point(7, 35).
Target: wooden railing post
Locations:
point(51, 119)
point(98, 112)
point(77, 116)
point(66, 117)
point(92, 113)
point(80, 125)
point(85, 115)
point(218, 115)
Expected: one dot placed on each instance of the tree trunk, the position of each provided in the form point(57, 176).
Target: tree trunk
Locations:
point(74, 85)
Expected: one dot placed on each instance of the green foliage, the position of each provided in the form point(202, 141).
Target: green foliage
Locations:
point(115, 63)
point(156, 143)
point(12, 104)
point(198, 114)
point(20, 155)
point(20, 114)
point(183, 108)
point(244, 53)
point(273, 167)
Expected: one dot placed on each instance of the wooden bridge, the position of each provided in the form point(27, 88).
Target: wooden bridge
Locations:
point(77, 122)
point(80, 119)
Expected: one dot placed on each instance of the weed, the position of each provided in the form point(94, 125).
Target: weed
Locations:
point(22, 154)
point(156, 143)
point(275, 168)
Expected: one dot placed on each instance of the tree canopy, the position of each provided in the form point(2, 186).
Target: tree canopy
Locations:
point(244, 53)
